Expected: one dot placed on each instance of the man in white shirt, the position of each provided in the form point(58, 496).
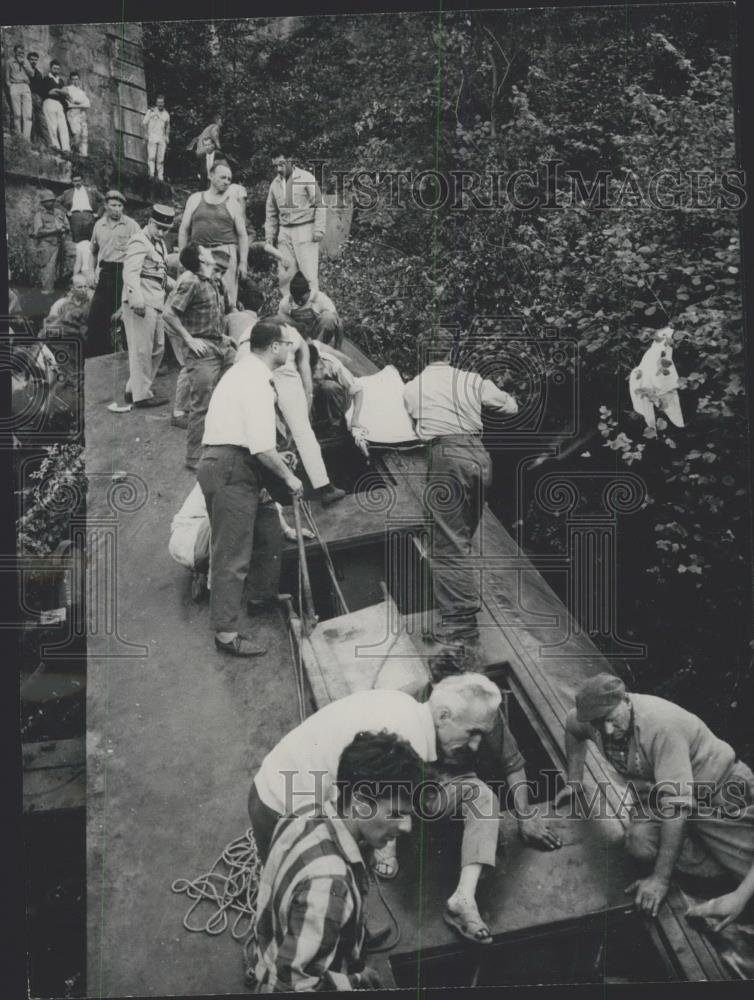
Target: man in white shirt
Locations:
point(78, 103)
point(447, 725)
point(83, 204)
point(156, 123)
point(295, 219)
point(239, 451)
point(446, 403)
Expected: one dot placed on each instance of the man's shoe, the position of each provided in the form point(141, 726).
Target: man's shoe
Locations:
point(152, 401)
point(240, 646)
point(329, 494)
point(192, 465)
point(128, 396)
point(181, 422)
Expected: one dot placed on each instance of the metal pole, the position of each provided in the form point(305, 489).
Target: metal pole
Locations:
point(308, 616)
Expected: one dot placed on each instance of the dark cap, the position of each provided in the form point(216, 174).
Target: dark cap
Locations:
point(115, 195)
point(598, 697)
point(163, 215)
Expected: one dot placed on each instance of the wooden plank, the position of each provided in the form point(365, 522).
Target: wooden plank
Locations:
point(126, 51)
point(125, 32)
point(54, 776)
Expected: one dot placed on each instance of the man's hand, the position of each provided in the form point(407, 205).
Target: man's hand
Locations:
point(140, 309)
point(243, 269)
point(369, 979)
point(294, 484)
point(318, 237)
point(198, 347)
point(721, 911)
point(650, 893)
point(535, 831)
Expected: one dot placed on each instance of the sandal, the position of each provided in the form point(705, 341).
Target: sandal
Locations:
point(385, 863)
point(470, 926)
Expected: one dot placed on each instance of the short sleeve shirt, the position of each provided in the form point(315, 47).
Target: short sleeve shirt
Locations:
point(242, 408)
point(197, 302)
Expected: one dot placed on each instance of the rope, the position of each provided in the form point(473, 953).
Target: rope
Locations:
point(230, 886)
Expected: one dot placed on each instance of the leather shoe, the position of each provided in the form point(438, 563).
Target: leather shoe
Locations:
point(181, 422)
point(153, 401)
point(128, 397)
point(240, 646)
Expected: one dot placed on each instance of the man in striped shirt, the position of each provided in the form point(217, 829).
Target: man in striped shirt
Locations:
point(310, 928)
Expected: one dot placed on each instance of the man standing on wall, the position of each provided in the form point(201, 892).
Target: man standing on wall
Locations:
point(78, 103)
point(208, 142)
point(295, 219)
point(157, 130)
point(54, 106)
point(18, 82)
point(145, 280)
point(110, 238)
point(39, 124)
point(214, 220)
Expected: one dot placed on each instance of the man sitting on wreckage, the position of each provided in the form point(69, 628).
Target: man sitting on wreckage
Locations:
point(457, 727)
point(692, 800)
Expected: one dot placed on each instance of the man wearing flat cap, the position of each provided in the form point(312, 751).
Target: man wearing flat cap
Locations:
point(693, 807)
point(145, 283)
point(110, 238)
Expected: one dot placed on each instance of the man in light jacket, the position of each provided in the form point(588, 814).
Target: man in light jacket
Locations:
point(295, 219)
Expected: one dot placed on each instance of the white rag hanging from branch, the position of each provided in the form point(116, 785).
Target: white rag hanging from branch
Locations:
point(654, 384)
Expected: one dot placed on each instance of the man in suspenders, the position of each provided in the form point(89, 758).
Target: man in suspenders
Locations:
point(214, 220)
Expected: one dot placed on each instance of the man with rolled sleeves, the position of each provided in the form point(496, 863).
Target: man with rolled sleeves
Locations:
point(239, 452)
point(52, 234)
point(446, 403)
point(145, 282)
point(109, 241)
point(295, 219)
point(693, 801)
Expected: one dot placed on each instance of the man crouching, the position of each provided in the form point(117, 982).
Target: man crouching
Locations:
point(310, 927)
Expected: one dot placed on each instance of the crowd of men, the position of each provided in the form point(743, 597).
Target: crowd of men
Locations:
point(253, 392)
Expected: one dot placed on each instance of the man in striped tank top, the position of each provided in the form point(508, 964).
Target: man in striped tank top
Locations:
point(213, 219)
point(310, 927)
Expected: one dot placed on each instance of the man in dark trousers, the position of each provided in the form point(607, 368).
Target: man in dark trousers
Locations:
point(83, 205)
point(239, 452)
point(36, 80)
point(195, 312)
point(446, 403)
point(108, 249)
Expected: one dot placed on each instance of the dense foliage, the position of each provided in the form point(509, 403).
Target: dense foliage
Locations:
point(630, 92)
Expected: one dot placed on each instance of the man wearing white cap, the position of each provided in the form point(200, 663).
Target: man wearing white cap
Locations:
point(145, 282)
point(693, 801)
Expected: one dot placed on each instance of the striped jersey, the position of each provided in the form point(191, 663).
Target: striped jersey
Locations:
point(310, 908)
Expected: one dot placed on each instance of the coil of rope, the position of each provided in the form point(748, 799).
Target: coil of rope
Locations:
point(230, 886)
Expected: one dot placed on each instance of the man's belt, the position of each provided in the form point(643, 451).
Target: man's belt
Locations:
point(292, 225)
point(81, 211)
